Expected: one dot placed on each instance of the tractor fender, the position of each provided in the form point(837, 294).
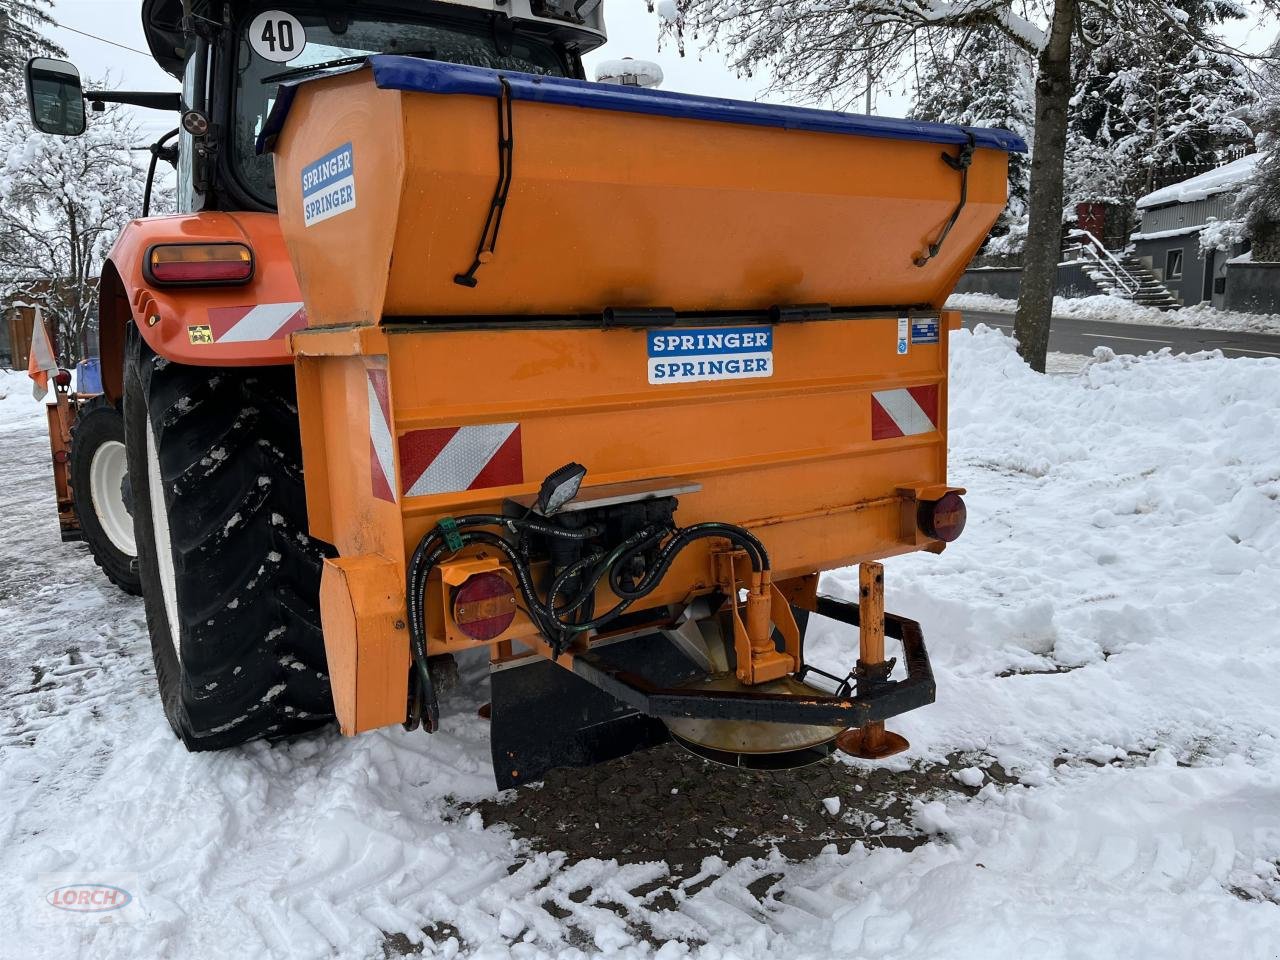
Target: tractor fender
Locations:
point(234, 326)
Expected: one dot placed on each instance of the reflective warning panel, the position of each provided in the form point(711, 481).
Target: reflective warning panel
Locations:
point(904, 412)
point(451, 459)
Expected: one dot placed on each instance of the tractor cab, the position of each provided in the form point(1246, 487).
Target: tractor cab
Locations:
point(232, 56)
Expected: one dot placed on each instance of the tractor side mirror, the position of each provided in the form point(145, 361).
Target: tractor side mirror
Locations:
point(55, 97)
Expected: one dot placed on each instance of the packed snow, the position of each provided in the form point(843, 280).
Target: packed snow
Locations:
point(1105, 631)
point(629, 72)
point(1229, 176)
point(1201, 316)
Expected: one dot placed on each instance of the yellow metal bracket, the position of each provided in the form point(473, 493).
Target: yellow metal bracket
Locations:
point(767, 609)
point(911, 496)
point(872, 741)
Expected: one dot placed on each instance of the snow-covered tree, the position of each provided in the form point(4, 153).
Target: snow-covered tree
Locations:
point(984, 80)
point(1148, 97)
point(63, 200)
point(22, 23)
point(825, 51)
point(1257, 209)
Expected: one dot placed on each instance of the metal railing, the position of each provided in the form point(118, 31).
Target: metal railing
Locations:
point(1089, 249)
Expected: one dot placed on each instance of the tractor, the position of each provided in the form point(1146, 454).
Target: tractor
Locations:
point(449, 349)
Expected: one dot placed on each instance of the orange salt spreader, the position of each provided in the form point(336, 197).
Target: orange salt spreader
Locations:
point(448, 349)
point(726, 313)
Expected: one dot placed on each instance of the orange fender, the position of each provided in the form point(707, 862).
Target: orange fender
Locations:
point(212, 326)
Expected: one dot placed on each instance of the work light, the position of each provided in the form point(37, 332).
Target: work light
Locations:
point(559, 488)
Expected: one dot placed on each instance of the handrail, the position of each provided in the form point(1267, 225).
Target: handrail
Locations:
point(1104, 258)
point(1119, 278)
point(1098, 245)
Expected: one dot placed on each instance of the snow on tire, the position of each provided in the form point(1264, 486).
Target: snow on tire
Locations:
point(99, 490)
point(230, 577)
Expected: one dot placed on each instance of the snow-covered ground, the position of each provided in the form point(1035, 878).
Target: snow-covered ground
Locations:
point(1107, 629)
point(1102, 307)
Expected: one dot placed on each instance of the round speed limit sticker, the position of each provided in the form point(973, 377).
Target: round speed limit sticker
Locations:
point(277, 36)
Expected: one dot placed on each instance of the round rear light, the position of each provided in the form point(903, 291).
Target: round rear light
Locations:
point(484, 606)
point(942, 519)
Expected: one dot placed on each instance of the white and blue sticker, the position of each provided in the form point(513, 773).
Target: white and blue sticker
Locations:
point(924, 329)
point(329, 186)
point(904, 341)
point(720, 353)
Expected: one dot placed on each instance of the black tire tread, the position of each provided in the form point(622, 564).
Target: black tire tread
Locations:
point(247, 573)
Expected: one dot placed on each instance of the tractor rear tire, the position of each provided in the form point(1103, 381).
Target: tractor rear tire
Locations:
point(99, 490)
point(230, 577)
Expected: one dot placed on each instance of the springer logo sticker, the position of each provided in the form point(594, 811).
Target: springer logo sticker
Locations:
point(721, 353)
point(329, 186)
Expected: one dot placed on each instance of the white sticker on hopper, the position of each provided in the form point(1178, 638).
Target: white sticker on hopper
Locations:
point(329, 186)
point(692, 354)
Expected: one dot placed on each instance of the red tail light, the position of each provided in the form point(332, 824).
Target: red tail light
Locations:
point(484, 606)
point(199, 263)
point(942, 519)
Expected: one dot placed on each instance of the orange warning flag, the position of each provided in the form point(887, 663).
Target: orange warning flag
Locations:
point(43, 364)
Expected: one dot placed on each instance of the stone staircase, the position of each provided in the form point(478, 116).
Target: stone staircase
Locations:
point(1120, 275)
point(1151, 292)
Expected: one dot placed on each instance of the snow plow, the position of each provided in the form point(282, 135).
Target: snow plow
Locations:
point(450, 349)
point(87, 456)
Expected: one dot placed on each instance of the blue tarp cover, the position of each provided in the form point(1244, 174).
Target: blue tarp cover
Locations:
point(431, 76)
point(89, 376)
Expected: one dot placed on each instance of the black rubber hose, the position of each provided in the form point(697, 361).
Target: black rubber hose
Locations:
point(156, 148)
point(565, 575)
point(424, 562)
point(682, 539)
point(414, 603)
point(417, 580)
point(547, 616)
point(639, 540)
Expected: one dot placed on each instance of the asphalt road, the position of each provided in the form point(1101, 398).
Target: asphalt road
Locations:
point(1069, 335)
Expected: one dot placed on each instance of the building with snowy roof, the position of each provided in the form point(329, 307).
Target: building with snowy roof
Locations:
point(1167, 240)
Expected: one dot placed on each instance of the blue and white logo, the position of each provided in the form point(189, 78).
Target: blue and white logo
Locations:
point(329, 186)
point(903, 342)
point(720, 353)
point(924, 330)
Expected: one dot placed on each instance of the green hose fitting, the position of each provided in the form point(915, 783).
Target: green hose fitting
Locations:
point(452, 539)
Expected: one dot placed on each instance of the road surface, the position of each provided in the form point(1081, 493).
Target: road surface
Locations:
point(1071, 335)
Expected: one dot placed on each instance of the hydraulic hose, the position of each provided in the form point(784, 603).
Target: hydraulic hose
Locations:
point(683, 538)
point(448, 538)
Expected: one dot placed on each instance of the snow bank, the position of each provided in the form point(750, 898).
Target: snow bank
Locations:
point(1117, 310)
point(1106, 629)
point(1229, 176)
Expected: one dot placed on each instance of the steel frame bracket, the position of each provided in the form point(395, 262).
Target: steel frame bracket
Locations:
point(887, 699)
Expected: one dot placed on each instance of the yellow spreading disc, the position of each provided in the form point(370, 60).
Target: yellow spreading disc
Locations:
point(750, 743)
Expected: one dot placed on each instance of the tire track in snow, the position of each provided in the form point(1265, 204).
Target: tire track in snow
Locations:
point(322, 848)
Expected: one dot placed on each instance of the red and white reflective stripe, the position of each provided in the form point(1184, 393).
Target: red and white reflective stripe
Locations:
point(382, 465)
point(451, 459)
point(256, 323)
point(904, 412)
